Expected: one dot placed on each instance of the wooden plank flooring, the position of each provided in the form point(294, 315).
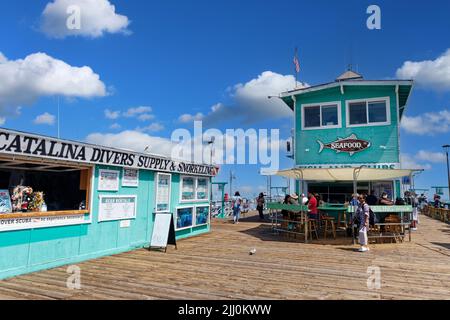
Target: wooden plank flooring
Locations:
point(218, 266)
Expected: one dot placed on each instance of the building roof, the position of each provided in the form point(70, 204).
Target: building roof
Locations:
point(349, 75)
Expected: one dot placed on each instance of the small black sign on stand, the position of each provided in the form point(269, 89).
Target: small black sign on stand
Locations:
point(163, 232)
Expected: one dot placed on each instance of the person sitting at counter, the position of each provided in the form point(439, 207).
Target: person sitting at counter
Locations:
point(384, 200)
point(312, 206)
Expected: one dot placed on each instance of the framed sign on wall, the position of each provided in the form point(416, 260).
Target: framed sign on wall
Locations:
point(108, 180)
point(130, 178)
point(117, 208)
point(163, 186)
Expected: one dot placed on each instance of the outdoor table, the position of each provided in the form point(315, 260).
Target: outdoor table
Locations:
point(298, 211)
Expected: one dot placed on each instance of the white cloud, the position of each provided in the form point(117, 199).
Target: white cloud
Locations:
point(133, 140)
point(146, 117)
point(97, 17)
point(112, 115)
point(186, 118)
point(434, 74)
point(23, 81)
point(45, 118)
point(115, 126)
point(250, 101)
point(429, 123)
point(436, 157)
point(134, 112)
point(154, 127)
point(409, 162)
point(2, 121)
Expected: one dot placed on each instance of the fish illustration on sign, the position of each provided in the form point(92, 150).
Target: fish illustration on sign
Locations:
point(350, 144)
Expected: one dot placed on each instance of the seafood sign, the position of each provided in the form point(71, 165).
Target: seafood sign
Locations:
point(350, 144)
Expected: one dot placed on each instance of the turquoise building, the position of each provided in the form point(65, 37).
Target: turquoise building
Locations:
point(97, 201)
point(348, 123)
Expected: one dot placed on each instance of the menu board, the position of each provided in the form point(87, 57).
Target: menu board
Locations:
point(163, 192)
point(130, 178)
point(117, 208)
point(5, 202)
point(108, 180)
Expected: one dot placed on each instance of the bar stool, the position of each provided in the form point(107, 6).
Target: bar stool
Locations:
point(329, 221)
point(312, 226)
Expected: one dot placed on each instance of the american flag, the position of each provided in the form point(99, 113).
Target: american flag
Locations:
point(296, 63)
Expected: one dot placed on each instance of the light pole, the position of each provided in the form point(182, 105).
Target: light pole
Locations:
point(232, 176)
point(211, 143)
point(447, 149)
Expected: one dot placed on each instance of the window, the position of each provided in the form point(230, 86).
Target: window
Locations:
point(368, 112)
point(194, 189)
point(202, 189)
point(187, 189)
point(201, 215)
point(321, 116)
point(312, 117)
point(163, 192)
point(188, 217)
point(37, 188)
point(184, 217)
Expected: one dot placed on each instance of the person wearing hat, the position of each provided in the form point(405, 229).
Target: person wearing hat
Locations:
point(293, 198)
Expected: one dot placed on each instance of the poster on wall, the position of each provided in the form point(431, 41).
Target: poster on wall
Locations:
point(108, 180)
point(184, 217)
point(130, 178)
point(5, 202)
point(117, 208)
point(201, 215)
point(163, 193)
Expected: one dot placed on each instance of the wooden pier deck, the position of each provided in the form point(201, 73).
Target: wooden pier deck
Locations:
point(218, 266)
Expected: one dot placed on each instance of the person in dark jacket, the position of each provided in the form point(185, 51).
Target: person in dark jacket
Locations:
point(372, 199)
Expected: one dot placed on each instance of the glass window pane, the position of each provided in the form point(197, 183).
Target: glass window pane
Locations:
point(184, 217)
point(330, 115)
point(202, 215)
point(358, 113)
point(377, 111)
point(312, 117)
point(202, 189)
point(188, 188)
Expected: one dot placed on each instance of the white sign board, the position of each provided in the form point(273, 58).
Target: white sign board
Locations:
point(29, 145)
point(113, 208)
point(161, 229)
point(130, 178)
point(41, 222)
point(108, 180)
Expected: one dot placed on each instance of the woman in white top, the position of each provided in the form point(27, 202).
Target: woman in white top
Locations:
point(236, 202)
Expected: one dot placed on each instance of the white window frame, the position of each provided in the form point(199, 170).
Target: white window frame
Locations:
point(208, 186)
point(387, 101)
point(156, 194)
point(194, 216)
point(176, 216)
point(320, 105)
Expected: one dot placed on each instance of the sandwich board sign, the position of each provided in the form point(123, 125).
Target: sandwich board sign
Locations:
point(163, 231)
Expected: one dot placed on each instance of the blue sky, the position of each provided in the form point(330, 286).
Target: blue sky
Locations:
point(183, 57)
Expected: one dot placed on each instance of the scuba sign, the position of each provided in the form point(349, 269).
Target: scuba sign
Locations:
point(350, 144)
